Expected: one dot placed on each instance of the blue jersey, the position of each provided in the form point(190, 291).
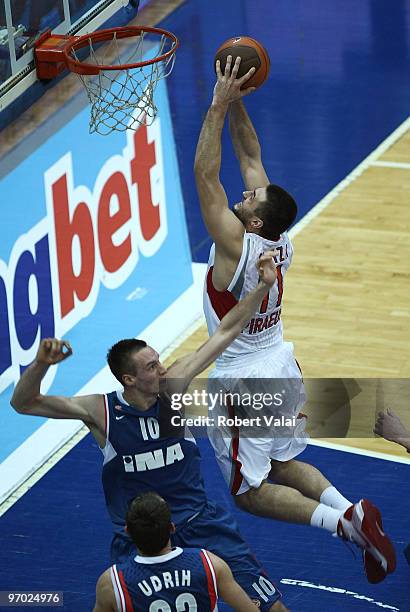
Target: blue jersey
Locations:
point(183, 579)
point(142, 453)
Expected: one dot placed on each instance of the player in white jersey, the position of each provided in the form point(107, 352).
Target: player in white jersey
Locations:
point(264, 329)
point(260, 469)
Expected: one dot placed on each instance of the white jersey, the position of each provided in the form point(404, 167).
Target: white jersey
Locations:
point(264, 330)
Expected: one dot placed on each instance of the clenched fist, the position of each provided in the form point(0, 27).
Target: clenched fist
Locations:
point(52, 351)
point(266, 268)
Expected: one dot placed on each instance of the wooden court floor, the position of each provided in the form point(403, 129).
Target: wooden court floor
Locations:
point(346, 301)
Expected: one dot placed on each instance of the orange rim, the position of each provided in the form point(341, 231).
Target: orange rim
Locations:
point(106, 35)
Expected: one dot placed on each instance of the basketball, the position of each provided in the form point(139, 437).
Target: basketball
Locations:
point(252, 54)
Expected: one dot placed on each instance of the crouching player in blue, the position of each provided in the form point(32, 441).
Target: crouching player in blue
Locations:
point(142, 452)
point(164, 578)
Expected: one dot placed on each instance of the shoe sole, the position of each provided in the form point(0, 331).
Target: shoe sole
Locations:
point(367, 519)
point(374, 571)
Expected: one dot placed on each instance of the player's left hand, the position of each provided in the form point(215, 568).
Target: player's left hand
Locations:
point(228, 87)
point(52, 351)
point(266, 268)
point(390, 427)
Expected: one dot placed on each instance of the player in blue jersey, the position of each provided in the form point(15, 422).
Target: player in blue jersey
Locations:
point(162, 577)
point(141, 451)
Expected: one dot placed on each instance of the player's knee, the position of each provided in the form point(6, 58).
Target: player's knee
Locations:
point(243, 501)
point(250, 501)
point(279, 467)
point(278, 607)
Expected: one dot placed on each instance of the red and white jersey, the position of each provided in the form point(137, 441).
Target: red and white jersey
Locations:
point(264, 330)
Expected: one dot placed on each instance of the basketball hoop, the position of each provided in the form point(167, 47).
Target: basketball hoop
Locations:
point(119, 68)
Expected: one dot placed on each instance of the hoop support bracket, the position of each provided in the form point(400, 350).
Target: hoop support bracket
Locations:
point(49, 53)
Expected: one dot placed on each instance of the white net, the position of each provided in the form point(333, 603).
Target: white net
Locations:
point(123, 99)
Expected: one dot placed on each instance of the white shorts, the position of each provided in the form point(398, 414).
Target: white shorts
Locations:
point(244, 455)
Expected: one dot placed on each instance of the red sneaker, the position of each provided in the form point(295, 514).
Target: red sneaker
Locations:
point(347, 531)
point(362, 525)
point(379, 557)
point(374, 570)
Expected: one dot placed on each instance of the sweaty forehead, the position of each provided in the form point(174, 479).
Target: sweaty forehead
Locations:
point(260, 194)
point(145, 355)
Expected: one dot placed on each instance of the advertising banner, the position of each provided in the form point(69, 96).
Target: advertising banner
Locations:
point(94, 248)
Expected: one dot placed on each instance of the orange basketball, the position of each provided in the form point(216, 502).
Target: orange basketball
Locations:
point(252, 54)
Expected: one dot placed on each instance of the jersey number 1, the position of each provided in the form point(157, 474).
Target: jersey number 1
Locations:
point(264, 305)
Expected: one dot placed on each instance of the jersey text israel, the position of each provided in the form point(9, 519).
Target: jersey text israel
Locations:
point(264, 330)
point(183, 579)
point(141, 454)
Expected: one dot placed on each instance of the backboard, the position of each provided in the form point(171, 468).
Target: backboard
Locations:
point(22, 21)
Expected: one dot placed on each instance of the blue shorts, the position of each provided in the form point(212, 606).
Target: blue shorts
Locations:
point(215, 530)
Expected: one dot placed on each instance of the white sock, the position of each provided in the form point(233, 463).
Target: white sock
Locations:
point(331, 497)
point(326, 518)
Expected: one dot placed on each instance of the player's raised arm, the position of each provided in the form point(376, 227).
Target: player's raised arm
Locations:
point(27, 398)
point(181, 373)
point(104, 595)
point(222, 225)
point(389, 426)
point(247, 148)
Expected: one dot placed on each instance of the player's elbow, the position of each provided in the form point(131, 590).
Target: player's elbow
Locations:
point(21, 406)
point(249, 154)
point(252, 169)
point(16, 404)
point(18, 407)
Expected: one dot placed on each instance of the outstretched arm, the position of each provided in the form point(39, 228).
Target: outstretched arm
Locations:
point(221, 223)
point(390, 427)
point(247, 148)
point(181, 373)
point(27, 398)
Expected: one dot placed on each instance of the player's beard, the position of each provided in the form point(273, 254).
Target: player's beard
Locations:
point(238, 211)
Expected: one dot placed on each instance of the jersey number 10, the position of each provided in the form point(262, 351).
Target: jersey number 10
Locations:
point(149, 428)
